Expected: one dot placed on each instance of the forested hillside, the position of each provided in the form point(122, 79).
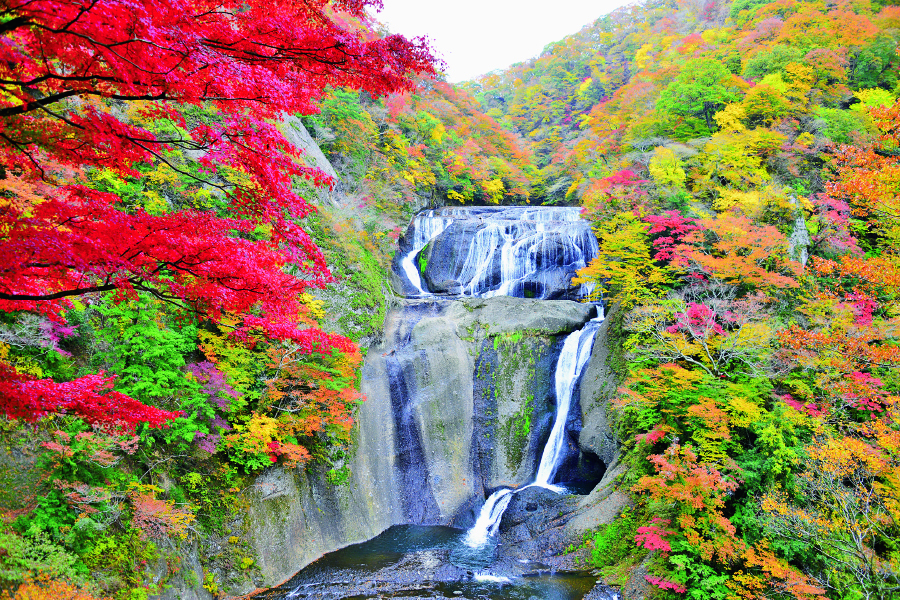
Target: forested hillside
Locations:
point(182, 304)
point(741, 164)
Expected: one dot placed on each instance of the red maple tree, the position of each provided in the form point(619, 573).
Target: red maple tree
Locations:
point(68, 71)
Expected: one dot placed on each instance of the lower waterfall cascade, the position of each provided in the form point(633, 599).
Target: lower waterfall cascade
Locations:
point(572, 360)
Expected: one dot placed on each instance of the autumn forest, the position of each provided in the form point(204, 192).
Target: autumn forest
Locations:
point(184, 305)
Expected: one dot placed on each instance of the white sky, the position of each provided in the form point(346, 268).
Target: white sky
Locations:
point(477, 36)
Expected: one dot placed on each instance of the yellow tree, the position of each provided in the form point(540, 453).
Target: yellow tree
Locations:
point(665, 169)
point(845, 515)
point(624, 269)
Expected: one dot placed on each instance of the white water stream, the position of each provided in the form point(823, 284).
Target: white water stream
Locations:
point(519, 243)
point(574, 356)
point(426, 226)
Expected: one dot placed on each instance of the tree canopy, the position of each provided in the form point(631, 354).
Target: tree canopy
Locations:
point(80, 78)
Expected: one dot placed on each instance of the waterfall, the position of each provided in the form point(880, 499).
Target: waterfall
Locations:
point(450, 415)
point(489, 518)
point(501, 251)
point(574, 356)
point(425, 227)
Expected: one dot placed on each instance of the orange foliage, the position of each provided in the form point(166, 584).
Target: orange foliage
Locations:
point(43, 587)
point(731, 248)
point(869, 177)
point(155, 518)
point(699, 491)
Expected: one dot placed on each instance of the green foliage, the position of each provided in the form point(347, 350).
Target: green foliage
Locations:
point(148, 348)
point(772, 61)
point(702, 88)
point(612, 543)
point(28, 555)
point(147, 351)
point(749, 5)
point(124, 556)
point(701, 580)
point(214, 492)
point(338, 475)
point(842, 126)
point(876, 63)
point(423, 258)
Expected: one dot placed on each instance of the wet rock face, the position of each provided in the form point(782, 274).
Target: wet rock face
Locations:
point(459, 400)
point(476, 381)
point(533, 526)
point(598, 385)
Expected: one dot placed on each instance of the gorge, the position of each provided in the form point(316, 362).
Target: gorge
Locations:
point(283, 310)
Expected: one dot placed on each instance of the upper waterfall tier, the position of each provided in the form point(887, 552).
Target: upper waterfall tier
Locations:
point(522, 251)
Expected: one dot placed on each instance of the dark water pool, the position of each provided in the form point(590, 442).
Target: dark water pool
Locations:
point(411, 561)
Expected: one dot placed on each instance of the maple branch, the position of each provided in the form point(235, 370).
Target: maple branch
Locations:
point(35, 104)
point(14, 23)
point(58, 295)
point(19, 147)
point(83, 11)
point(223, 187)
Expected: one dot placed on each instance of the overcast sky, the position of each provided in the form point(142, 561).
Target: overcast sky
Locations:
point(477, 36)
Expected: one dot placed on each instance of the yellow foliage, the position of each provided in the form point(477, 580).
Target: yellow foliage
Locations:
point(162, 175)
point(256, 434)
point(154, 203)
point(457, 197)
point(231, 356)
point(574, 187)
point(494, 189)
point(642, 56)
point(755, 202)
point(665, 168)
point(743, 412)
point(714, 36)
point(736, 158)
point(799, 79)
point(805, 139)
point(749, 203)
point(418, 173)
point(872, 98)
point(23, 364)
point(624, 268)
point(316, 307)
point(585, 85)
point(731, 118)
point(438, 133)
point(200, 197)
point(754, 334)
point(238, 177)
